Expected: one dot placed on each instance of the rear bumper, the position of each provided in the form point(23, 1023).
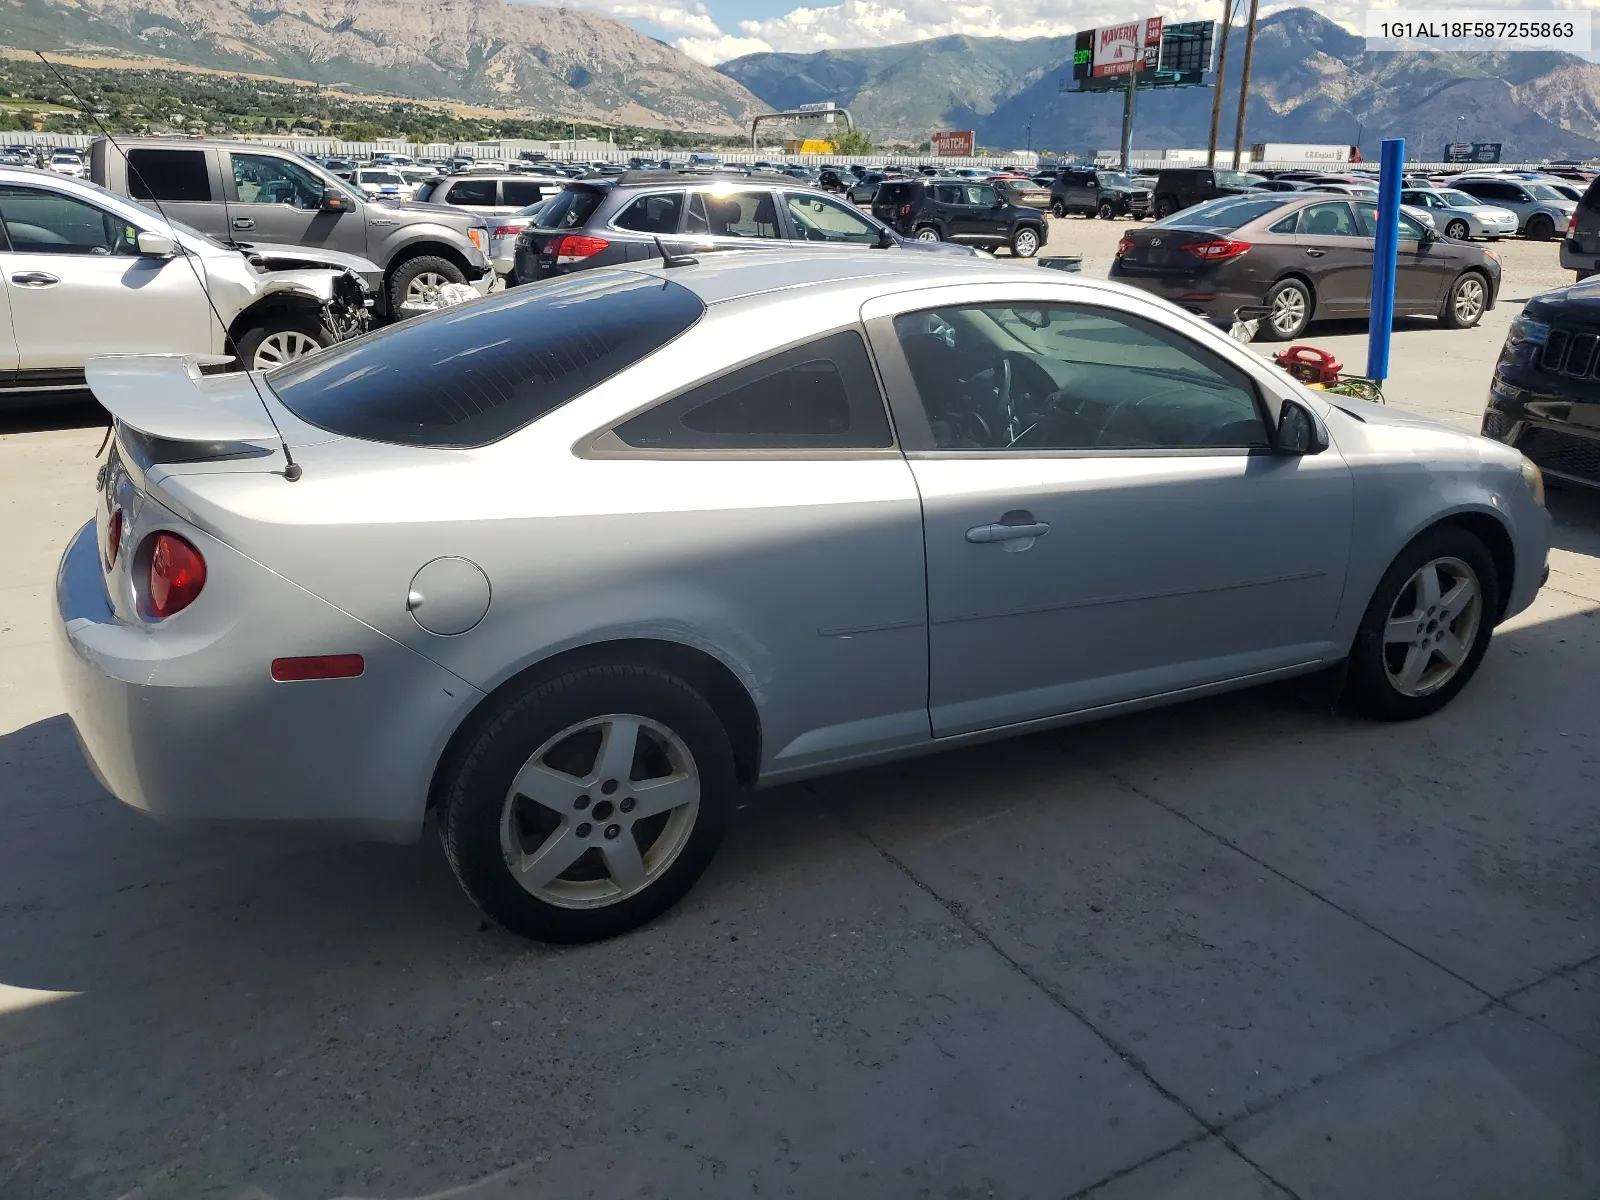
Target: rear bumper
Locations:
point(182, 720)
point(1574, 259)
point(1211, 297)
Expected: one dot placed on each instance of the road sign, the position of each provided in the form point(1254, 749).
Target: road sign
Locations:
point(821, 111)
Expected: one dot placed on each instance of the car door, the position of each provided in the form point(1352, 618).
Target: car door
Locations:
point(1336, 258)
point(814, 217)
point(78, 286)
point(1423, 268)
point(1103, 517)
point(184, 183)
point(732, 220)
point(276, 199)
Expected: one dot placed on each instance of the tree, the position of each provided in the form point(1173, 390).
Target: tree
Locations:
point(852, 141)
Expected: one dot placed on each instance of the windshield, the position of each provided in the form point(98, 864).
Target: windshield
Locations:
point(1457, 199)
point(1228, 213)
point(1238, 179)
point(1114, 179)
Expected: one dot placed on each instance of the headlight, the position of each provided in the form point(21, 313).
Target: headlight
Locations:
point(480, 239)
point(1525, 330)
point(1534, 478)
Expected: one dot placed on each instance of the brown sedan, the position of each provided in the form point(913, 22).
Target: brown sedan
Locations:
point(1302, 255)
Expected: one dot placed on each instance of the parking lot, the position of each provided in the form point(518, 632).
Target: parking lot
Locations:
point(1247, 947)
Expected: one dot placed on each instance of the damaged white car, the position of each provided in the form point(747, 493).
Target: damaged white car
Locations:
point(86, 273)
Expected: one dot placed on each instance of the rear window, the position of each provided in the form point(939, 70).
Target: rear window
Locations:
point(1227, 214)
point(469, 376)
point(426, 190)
point(895, 193)
point(571, 209)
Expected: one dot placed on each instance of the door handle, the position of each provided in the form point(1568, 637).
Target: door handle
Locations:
point(35, 279)
point(982, 534)
point(1316, 253)
point(244, 222)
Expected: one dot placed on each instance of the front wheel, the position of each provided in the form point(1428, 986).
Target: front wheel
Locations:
point(1458, 230)
point(1426, 628)
point(588, 804)
point(1463, 307)
point(1107, 210)
point(1025, 243)
point(280, 339)
point(416, 281)
point(1288, 311)
point(1541, 229)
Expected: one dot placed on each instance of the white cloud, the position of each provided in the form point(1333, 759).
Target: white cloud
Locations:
point(713, 50)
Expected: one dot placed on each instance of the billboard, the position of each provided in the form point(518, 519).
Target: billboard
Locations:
point(1116, 50)
point(822, 111)
point(957, 142)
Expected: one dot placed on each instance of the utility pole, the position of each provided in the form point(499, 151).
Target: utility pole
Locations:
point(1216, 87)
point(1030, 132)
point(1244, 83)
point(1127, 120)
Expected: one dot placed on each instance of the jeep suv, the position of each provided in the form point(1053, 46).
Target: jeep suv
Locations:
point(1093, 193)
point(239, 192)
point(1580, 249)
point(1181, 187)
point(634, 216)
point(961, 211)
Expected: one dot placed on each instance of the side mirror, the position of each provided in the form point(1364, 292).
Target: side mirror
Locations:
point(1299, 430)
point(333, 200)
point(156, 245)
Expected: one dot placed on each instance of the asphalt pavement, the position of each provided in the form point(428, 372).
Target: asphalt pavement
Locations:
point(1244, 948)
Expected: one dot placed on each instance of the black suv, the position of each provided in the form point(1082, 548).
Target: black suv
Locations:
point(600, 222)
point(1095, 193)
point(1580, 249)
point(958, 210)
point(1547, 382)
point(1180, 187)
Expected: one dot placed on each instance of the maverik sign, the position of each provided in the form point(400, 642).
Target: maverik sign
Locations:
point(1125, 49)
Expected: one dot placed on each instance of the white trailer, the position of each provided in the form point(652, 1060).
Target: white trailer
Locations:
point(1299, 153)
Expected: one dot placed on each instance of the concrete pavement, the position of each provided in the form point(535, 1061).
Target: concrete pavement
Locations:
point(1245, 948)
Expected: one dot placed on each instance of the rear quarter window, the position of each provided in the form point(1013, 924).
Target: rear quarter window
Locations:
point(472, 375)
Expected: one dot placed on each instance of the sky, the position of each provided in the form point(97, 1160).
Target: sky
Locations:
point(714, 31)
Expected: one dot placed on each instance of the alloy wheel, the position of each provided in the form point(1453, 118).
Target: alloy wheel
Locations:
point(1432, 626)
point(1468, 300)
point(1027, 243)
point(1288, 311)
point(600, 811)
point(282, 347)
point(424, 287)
point(927, 235)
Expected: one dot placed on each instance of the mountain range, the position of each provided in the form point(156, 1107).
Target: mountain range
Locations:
point(1311, 81)
point(554, 61)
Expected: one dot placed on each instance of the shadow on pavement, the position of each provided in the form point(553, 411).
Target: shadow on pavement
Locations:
point(72, 410)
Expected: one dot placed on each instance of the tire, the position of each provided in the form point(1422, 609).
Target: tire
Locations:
point(1466, 301)
point(1540, 229)
point(1107, 211)
point(1377, 668)
point(1293, 297)
point(928, 233)
point(1058, 209)
point(1165, 207)
point(1458, 229)
point(1025, 242)
point(419, 272)
point(281, 338)
point(561, 724)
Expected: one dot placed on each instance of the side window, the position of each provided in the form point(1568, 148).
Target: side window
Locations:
point(267, 179)
point(1287, 225)
point(819, 396)
point(947, 193)
point(44, 222)
point(1367, 216)
point(520, 193)
point(471, 191)
point(168, 175)
point(1410, 229)
point(981, 195)
point(1329, 219)
point(1065, 377)
point(1591, 198)
point(734, 214)
point(818, 219)
point(652, 214)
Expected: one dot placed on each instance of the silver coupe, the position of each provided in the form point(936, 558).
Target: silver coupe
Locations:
point(572, 565)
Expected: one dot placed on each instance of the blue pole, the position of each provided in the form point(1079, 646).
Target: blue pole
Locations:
point(1386, 245)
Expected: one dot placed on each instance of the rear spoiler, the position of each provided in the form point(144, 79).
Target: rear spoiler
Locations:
point(166, 396)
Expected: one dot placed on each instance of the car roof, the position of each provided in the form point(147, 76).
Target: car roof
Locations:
point(666, 177)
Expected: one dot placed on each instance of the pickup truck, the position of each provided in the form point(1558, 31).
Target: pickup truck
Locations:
point(241, 192)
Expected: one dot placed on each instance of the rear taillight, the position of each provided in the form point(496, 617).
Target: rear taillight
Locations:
point(905, 210)
point(1572, 223)
point(1125, 245)
point(1216, 250)
point(113, 538)
point(177, 573)
point(507, 230)
point(575, 247)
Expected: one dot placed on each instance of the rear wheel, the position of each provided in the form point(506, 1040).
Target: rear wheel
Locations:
point(281, 339)
point(1463, 307)
point(927, 233)
point(1540, 228)
point(1107, 210)
point(1058, 209)
point(1025, 242)
point(1166, 206)
point(588, 804)
point(1289, 311)
point(1426, 628)
point(1458, 229)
